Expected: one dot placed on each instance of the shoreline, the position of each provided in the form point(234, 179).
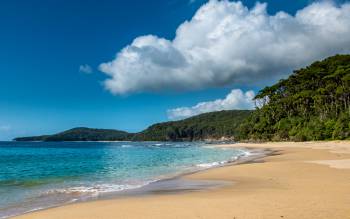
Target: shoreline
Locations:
point(172, 184)
point(250, 183)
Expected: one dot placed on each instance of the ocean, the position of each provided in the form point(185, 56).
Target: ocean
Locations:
point(39, 175)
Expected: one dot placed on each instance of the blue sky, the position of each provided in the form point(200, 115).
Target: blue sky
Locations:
point(43, 43)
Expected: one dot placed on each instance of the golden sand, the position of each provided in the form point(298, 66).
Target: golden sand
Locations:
point(301, 180)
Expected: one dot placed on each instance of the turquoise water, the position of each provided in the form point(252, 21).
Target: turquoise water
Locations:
point(36, 175)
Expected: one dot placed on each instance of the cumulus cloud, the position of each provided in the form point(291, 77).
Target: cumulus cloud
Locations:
point(226, 43)
point(85, 69)
point(236, 99)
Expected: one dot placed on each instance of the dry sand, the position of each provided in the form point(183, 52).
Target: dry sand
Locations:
point(300, 180)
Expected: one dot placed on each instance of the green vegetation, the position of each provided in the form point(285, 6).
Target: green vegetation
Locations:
point(213, 125)
point(32, 138)
point(312, 104)
point(81, 134)
point(209, 125)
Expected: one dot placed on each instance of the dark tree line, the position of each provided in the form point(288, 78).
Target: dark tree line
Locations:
point(213, 125)
point(312, 104)
point(81, 134)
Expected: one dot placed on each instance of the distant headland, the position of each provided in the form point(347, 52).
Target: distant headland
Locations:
point(213, 125)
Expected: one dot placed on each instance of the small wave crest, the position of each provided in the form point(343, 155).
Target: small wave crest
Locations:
point(243, 153)
point(96, 189)
point(213, 164)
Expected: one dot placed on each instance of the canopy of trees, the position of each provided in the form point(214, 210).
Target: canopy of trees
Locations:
point(81, 134)
point(213, 125)
point(312, 104)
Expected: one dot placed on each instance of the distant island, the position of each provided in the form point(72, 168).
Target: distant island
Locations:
point(311, 104)
point(81, 134)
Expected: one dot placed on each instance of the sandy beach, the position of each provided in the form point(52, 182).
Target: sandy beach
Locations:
point(298, 180)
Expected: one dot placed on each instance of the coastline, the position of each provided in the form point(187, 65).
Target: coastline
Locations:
point(297, 180)
point(168, 182)
point(171, 183)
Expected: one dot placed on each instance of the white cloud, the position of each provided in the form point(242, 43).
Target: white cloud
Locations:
point(225, 43)
point(236, 99)
point(85, 69)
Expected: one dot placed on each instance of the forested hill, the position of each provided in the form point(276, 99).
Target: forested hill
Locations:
point(312, 104)
point(81, 134)
point(209, 125)
point(213, 125)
